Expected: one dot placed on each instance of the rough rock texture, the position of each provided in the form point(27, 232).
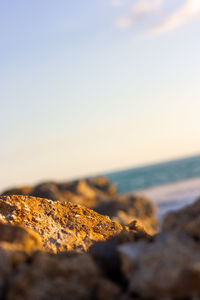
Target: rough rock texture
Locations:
point(186, 219)
point(125, 209)
point(100, 195)
point(28, 271)
point(62, 226)
point(168, 267)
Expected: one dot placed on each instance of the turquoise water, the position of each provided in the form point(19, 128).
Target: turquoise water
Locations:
point(142, 178)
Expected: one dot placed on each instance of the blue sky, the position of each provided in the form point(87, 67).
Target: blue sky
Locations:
point(92, 86)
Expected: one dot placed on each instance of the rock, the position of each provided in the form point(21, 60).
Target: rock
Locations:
point(186, 219)
point(62, 226)
point(60, 277)
point(125, 209)
point(79, 192)
point(103, 184)
point(167, 268)
point(88, 192)
point(106, 255)
point(99, 194)
point(14, 237)
point(15, 245)
point(47, 190)
point(23, 190)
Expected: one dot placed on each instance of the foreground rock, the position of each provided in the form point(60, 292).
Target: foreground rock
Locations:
point(61, 226)
point(168, 267)
point(66, 276)
point(98, 194)
point(26, 274)
point(32, 227)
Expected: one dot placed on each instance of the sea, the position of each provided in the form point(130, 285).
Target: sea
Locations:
point(170, 185)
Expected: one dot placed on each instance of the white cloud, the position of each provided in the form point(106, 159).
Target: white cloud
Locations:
point(143, 9)
point(140, 10)
point(188, 11)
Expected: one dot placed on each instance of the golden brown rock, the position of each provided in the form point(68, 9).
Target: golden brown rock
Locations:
point(98, 194)
point(62, 226)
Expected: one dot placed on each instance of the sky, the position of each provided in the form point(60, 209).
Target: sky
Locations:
point(92, 86)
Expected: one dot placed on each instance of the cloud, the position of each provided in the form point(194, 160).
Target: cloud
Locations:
point(143, 9)
point(188, 11)
point(140, 10)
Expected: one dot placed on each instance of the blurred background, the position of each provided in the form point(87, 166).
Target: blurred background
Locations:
point(93, 87)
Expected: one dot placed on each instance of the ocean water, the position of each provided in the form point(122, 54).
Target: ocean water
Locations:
point(171, 185)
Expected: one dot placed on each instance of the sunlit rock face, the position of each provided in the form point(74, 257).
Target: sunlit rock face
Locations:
point(100, 195)
point(33, 231)
point(61, 226)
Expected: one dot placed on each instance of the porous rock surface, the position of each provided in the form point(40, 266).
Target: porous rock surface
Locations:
point(61, 225)
point(29, 230)
point(99, 194)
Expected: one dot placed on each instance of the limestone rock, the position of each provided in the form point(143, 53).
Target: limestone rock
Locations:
point(62, 226)
point(99, 194)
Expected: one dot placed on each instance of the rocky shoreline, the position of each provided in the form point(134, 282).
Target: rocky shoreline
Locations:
point(81, 240)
